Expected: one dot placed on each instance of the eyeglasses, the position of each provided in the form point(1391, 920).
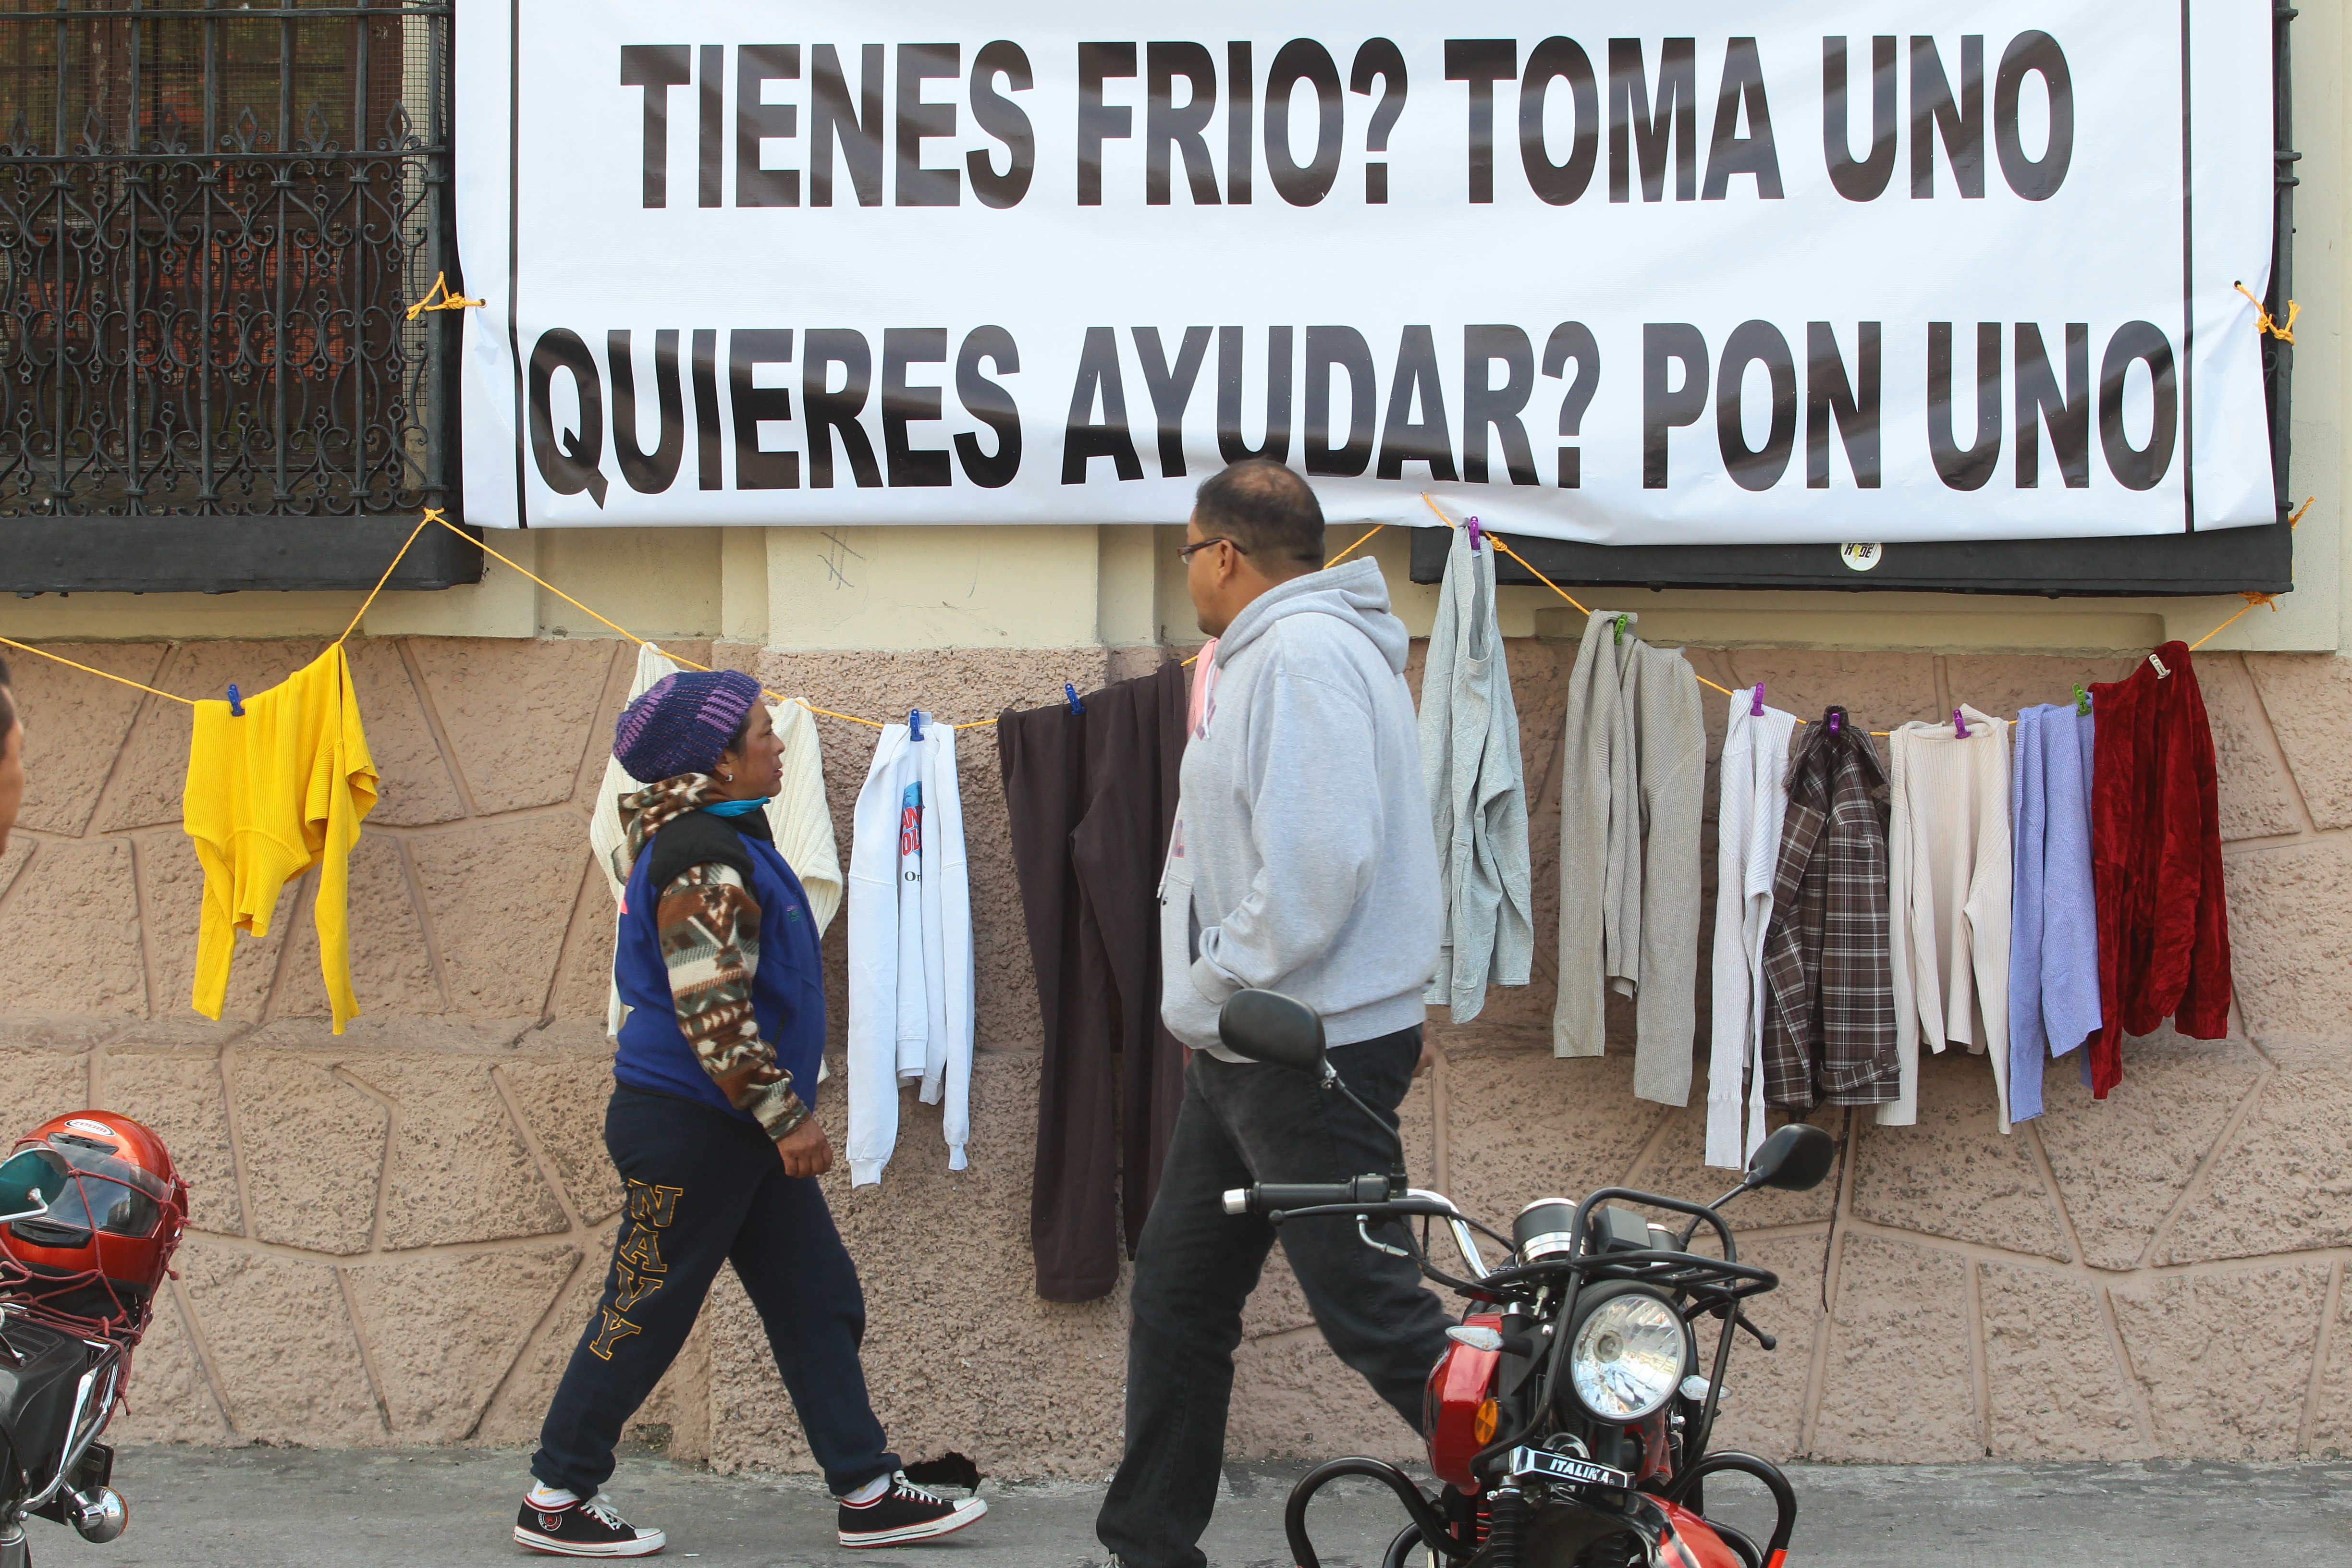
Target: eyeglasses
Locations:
point(1186, 553)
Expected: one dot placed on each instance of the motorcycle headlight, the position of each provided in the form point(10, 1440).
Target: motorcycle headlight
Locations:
point(1630, 1353)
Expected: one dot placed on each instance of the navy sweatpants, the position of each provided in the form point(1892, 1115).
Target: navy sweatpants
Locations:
point(705, 1188)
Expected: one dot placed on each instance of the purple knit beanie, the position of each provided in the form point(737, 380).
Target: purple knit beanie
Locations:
point(682, 722)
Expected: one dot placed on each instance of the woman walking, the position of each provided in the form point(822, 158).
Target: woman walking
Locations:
point(711, 1130)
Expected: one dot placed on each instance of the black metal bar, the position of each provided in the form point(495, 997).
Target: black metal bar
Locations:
point(222, 555)
point(274, 13)
point(2278, 379)
point(2214, 560)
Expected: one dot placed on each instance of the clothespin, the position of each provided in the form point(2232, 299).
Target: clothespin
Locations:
point(1960, 726)
point(1622, 621)
point(2161, 673)
point(1837, 720)
point(915, 724)
point(1071, 692)
point(1756, 709)
point(2082, 701)
point(235, 703)
point(1471, 525)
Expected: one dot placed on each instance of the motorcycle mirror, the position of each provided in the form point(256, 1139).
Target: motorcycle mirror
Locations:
point(22, 1178)
point(1267, 1027)
point(1794, 1159)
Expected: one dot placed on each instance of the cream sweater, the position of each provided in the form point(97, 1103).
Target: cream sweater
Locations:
point(1948, 877)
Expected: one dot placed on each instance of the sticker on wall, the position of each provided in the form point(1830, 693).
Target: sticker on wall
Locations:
point(1861, 557)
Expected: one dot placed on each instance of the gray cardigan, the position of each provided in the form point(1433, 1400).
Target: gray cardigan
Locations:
point(1477, 791)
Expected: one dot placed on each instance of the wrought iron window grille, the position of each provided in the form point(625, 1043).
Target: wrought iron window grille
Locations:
point(213, 216)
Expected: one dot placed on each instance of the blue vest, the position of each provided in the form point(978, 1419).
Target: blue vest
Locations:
point(787, 991)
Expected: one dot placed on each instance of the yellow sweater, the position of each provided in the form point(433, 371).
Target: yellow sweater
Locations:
point(270, 795)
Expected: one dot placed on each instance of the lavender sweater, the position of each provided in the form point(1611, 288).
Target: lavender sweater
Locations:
point(2053, 943)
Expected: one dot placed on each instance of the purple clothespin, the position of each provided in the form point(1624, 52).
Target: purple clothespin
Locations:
point(1960, 726)
point(1756, 709)
point(1837, 720)
point(1471, 523)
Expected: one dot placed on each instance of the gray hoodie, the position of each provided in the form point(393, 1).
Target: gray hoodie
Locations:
point(1302, 860)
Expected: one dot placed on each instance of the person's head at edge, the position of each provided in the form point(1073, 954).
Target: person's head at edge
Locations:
point(1253, 526)
point(12, 759)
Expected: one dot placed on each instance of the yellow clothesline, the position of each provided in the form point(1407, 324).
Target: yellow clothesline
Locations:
point(432, 514)
point(2252, 600)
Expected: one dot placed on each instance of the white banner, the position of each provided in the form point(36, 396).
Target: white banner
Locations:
point(1789, 272)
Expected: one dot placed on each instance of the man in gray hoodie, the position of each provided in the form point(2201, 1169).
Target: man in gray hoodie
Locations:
point(1302, 861)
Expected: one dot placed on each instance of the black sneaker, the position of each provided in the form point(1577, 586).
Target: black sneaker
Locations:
point(905, 1512)
point(589, 1529)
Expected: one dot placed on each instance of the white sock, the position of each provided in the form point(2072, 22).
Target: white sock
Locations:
point(870, 1491)
point(541, 1495)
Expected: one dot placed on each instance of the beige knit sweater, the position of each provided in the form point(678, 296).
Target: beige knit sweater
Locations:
point(1632, 786)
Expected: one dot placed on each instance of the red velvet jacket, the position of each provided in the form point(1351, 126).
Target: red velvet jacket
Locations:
point(2155, 862)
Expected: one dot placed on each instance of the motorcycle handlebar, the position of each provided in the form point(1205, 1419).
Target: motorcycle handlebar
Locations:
point(1266, 1197)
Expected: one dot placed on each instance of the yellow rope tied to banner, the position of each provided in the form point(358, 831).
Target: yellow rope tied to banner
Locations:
point(448, 300)
point(2264, 321)
point(433, 515)
point(118, 680)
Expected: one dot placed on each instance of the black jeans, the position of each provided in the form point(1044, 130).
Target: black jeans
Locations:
point(705, 1188)
point(1244, 1122)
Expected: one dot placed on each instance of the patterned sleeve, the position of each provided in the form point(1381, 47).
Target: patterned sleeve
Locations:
point(711, 945)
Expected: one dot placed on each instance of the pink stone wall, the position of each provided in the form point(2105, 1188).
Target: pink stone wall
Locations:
point(397, 1232)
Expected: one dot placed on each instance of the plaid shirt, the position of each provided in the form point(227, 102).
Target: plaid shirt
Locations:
point(1828, 1018)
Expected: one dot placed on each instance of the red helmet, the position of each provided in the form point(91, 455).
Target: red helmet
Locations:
point(102, 1210)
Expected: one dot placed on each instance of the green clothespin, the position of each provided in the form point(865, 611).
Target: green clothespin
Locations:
point(2081, 701)
point(1621, 622)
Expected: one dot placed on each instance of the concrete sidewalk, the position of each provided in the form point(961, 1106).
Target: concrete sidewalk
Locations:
point(299, 1508)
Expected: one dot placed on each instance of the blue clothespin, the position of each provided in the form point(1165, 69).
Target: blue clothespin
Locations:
point(1471, 523)
point(915, 724)
point(1071, 692)
point(1960, 726)
point(235, 703)
point(1756, 709)
point(2081, 701)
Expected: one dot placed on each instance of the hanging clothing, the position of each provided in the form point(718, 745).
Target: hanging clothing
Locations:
point(2155, 862)
point(1754, 807)
point(1829, 1019)
point(1203, 688)
point(800, 821)
point(910, 975)
point(2054, 940)
point(269, 795)
point(1092, 798)
point(1477, 795)
point(1948, 877)
point(1633, 784)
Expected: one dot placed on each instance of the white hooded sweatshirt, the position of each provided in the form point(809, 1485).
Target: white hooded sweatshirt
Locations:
point(910, 1002)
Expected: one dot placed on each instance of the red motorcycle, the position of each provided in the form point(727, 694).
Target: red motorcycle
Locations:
point(90, 1213)
point(1568, 1420)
